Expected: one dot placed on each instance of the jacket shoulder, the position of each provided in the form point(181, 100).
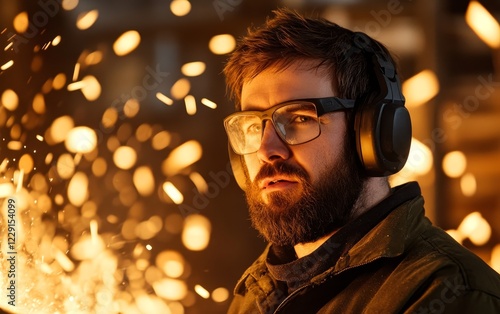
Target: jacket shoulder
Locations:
point(453, 257)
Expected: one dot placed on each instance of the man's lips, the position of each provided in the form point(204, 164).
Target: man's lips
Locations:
point(270, 182)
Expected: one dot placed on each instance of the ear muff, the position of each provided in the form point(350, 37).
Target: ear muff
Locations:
point(382, 124)
point(237, 165)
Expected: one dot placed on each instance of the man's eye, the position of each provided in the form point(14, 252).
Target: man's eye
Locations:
point(302, 119)
point(254, 128)
point(299, 119)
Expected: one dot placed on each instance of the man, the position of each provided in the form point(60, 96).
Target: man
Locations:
point(320, 124)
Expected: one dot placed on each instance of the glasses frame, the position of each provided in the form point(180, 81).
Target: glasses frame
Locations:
point(323, 105)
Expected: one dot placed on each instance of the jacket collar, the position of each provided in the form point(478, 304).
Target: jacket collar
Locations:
point(390, 238)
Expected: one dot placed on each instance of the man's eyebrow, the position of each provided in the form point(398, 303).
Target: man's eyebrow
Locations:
point(290, 107)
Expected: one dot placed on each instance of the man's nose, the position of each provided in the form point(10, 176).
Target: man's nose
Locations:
point(272, 147)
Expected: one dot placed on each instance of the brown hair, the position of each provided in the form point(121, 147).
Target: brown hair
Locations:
point(289, 37)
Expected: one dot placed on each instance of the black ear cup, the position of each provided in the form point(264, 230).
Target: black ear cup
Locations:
point(237, 165)
point(383, 137)
point(382, 124)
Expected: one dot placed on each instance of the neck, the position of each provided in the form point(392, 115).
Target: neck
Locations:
point(373, 192)
point(303, 249)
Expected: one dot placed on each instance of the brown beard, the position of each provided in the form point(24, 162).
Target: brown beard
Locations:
point(316, 210)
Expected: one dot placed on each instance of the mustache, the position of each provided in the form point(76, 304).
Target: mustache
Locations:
point(282, 168)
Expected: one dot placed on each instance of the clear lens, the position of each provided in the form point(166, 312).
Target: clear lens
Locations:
point(245, 132)
point(295, 123)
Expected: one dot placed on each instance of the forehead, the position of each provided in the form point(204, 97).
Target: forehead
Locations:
point(276, 85)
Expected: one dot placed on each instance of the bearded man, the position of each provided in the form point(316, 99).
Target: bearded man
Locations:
point(319, 126)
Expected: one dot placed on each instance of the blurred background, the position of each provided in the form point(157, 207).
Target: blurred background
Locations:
point(112, 144)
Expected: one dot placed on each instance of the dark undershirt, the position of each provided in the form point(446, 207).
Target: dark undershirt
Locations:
point(284, 266)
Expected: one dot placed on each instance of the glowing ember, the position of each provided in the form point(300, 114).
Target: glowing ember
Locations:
point(69, 5)
point(199, 182)
point(78, 189)
point(76, 86)
point(222, 44)
point(144, 180)
point(161, 140)
point(170, 289)
point(39, 104)
point(171, 263)
point(190, 105)
point(87, 19)
point(476, 228)
point(182, 157)
point(65, 166)
point(164, 99)
point(60, 128)
point(7, 65)
point(10, 100)
point(193, 68)
point(21, 22)
point(202, 292)
point(59, 81)
point(180, 88)
point(6, 189)
point(56, 41)
point(180, 7)
point(468, 184)
point(125, 157)
point(26, 163)
point(220, 294)
point(196, 232)
point(131, 108)
point(208, 103)
point(173, 192)
point(15, 145)
point(93, 58)
point(76, 72)
point(91, 88)
point(81, 139)
point(109, 117)
point(126, 43)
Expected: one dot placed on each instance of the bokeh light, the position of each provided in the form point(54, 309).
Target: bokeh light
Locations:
point(126, 43)
point(196, 232)
point(87, 19)
point(180, 7)
point(195, 68)
point(222, 44)
point(454, 164)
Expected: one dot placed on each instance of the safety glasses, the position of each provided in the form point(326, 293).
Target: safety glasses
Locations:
point(295, 121)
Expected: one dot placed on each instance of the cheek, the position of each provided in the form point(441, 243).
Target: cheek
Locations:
point(252, 164)
point(317, 161)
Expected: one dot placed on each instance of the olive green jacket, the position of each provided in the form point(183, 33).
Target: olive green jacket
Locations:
point(402, 265)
